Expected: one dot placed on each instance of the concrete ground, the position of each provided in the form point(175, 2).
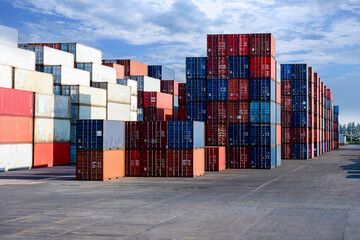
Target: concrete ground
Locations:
point(315, 199)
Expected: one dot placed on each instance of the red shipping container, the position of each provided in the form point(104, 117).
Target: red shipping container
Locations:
point(238, 89)
point(278, 93)
point(216, 135)
point(153, 163)
point(278, 135)
point(16, 102)
point(311, 135)
point(311, 105)
point(311, 153)
point(286, 151)
point(133, 135)
point(217, 44)
point(215, 158)
point(182, 112)
point(133, 68)
point(170, 87)
point(286, 88)
point(186, 162)
point(286, 135)
point(140, 99)
point(217, 67)
point(311, 120)
point(16, 129)
point(157, 114)
point(262, 67)
point(100, 165)
point(61, 154)
point(154, 135)
point(238, 157)
point(182, 93)
point(286, 119)
point(43, 155)
point(238, 44)
point(132, 163)
point(158, 100)
point(176, 115)
point(299, 135)
point(286, 103)
point(216, 112)
point(120, 69)
point(52, 45)
point(262, 44)
point(239, 112)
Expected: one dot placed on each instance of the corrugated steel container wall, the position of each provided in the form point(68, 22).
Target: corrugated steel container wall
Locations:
point(161, 72)
point(300, 87)
point(299, 151)
point(238, 134)
point(238, 157)
point(278, 114)
point(16, 129)
point(5, 76)
point(278, 72)
point(262, 67)
point(16, 102)
point(299, 135)
point(238, 112)
point(51, 56)
point(61, 130)
point(262, 112)
point(186, 162)
point(299, 119)
point(133, 163)
point(44, 105)
point(196, 90)
point(157, 114)
point(286, 135)
point(147, 84)
point(100, 135)
point(217, 90)
point(158, 100)
point(278, 156)
point(300, 103)
point(196, 111)
point(72, 153)
point(120, 69)
point(176, 102)
point(217, 67)
point(61, 154)
point(182, 93)
point(217, 44)
point(62, 107)
point(133, 103)
point(299, 72)
point(239, 67)
point(132, 68)
point(16, 156)
point(154, 135)
point(99, 165)
point(262, 157)
point(285, 72)
point(286, 103)
point(154, 163)
point(117, 111)
point(17, 57)
point(286, 119)
point(216, 112)
point(186, 135)
point(140, 114)
point(43, 130)
point(262, 44)
point(98, 73)
point(87, 112)
point(238, 89)
point(133, 135)
point(262, 135)
point(286, 151)
point(262, 90)
point(238, 44)
point(133, 86)
point(170, 87)
point(286, 88)
point(278, 93)
point(215, 158)
point(85, 95)
point(216, 135)
point(33, 81)
point(8, 36)
point(182, 113)
point(67, 75)
point(196, 67)
point(82, 53)
point(115, 92)
point(43, 154)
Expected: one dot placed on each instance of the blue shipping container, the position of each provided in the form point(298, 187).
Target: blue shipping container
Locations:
point(161, 72)
point(262, 157)
point(262, 134)
point(299, 87)
point(86, 67)
point(196, 90)
point(238, 134)
point(140, 114)
point(72, 153)
point(196, 67)
point(300, 103)
point(196, 111)
point(285, 71)
point(278, 113)
point(299, 72)
point(121, 81)
point(262, 90)
point(100, 135)
point(278, 156)
point(336, 109)
point(57, 89)
point(262, 112)
point(217, 89)
point(299, 151)
point(239, 67)
point(299, 119)
point(54, 70)
point(186, 134)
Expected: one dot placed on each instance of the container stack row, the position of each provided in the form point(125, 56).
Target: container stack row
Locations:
point(336, 132)
point(236, 91)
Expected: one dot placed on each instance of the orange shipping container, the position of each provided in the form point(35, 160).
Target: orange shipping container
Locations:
point(278, 93)
point(278, 135)
point(100, 165)
point(43, 154)
point(132, 68)
point(186, 162)
point(15, 129)
point(120, 69)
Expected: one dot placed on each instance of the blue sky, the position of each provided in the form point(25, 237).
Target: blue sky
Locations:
point(323, 33)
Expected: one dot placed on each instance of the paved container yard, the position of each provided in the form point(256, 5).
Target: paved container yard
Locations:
point(315, 199)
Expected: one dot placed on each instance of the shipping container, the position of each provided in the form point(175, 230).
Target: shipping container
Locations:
point(238, 89)
point(132, 68)
point(8, 36)
point(157, 114)
point(16, 102)
point(68, 75)
point(239, 67)
point(196, 111)
point(286, 88)
point(300, 135)
point(286, 151)
point(299, 72)
point(186, 135)
point(62, 107)
point(286, 119)
point(98, 72)
point(33, 81)
point(286, 103)
point(154, 163)
point(186, 162)
point(299, 87)
point(170, 87)
point(300, 103)
point(133, 163)
point(215, 158)
point(83, 95)
point(100, 165)
point(147, 84)
point(43, 154)
point(239, 134)
point(217, 90)
point(262, 67)
point(262, 135)
point(238, 157)
point(262, 157)
point(238, 45)
point(278, 114)
point(182, 93)
point(182, 113)
point(17, 57)
point(286, 72)
point(133, 86)
point(216, 135)
point(238, 112)
point(299, 119)
point(16, 129)
point(16, 156)
point(286, 135)
point(217, 67)
point(161, 72)
point(133, 103)
point(196, 67)
point(158, 100)
point(61, 154)
point(216, 112)
point(61, 130)
point(262, 112)
point(217, 44)
point(115, 92)
point(154, 135)
point(120, 70)
point(262, 90)
point(133, 135)
point(87, 112)
point(196, 90)
point(5, 74)
point(299, 150)
point(262, 44)
point(43, 130)
point(82, 53)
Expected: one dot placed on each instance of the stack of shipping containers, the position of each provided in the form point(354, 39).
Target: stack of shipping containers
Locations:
point(336, 133)
point(182, 102)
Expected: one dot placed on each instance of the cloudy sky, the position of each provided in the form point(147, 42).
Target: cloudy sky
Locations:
point(323, 33)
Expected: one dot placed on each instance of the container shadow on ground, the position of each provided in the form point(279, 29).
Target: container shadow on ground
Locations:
point(40, 174)
point(353, 169)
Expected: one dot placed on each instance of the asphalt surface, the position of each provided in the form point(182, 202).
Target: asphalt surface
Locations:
point(314, 199)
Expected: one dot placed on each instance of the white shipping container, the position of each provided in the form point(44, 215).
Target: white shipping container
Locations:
point(83, 53)
point(44, 105)
point(62, 107)
point(5, 76)
point(16, 156)
point(115, 92)
point(33, 81)
point(134, 103)
point(150, 84)
point(101, 73)
point(8, 36)
point(118, 111)
point(43, 130)
point(61, 130)
point(85, 95)
point(133, 116)
point(73, 76)
point(133, 85)
point(92, 112)
point(52, 56)
point(17, 57)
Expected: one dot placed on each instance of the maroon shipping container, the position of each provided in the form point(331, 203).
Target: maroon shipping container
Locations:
point(262, 67)
point(16, 102)
point(217, 45)
point(311, 153)
point(286, 151)
point(238, 44)
point(158, 100)
point(285, 135)
point(238, 157)
point(217, 67)
point(182, 93)
point(133, 134)
point(132, 163)
point(140, 99)
point(311, 120)
point(238, 112)
point(216, 112)
point(216, 135)
point(286, 89)
point(238, 89)
point(176, 115)
point(170, 87)
point(262, 44)
point(285, 119)
point(299, 135)
point(154, 135)
point(186, 162)
point(286, 103)
point(153, 163)
point(310, 135)
point(215, 158)
point(52, 45)
point(182, 112)
point(157, 114)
